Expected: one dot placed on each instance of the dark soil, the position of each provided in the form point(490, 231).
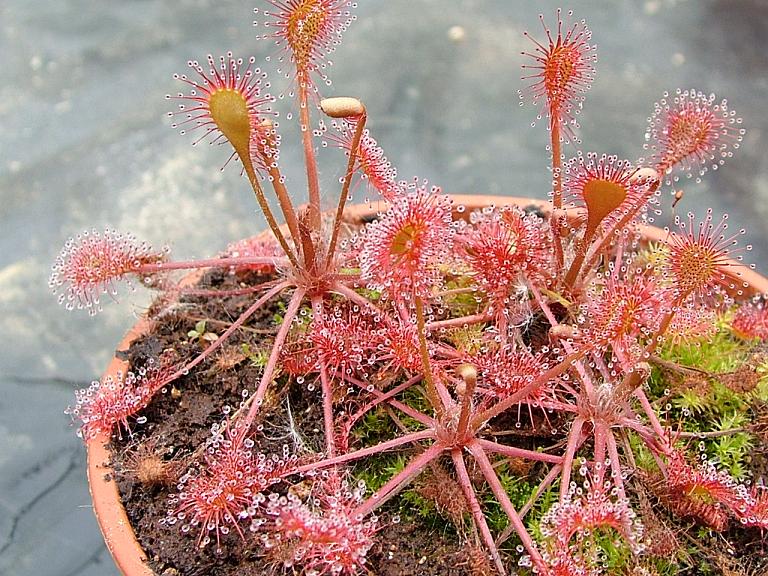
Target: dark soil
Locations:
point(179, 420)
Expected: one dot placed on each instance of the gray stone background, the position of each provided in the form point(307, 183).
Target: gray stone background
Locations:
point(84, 143)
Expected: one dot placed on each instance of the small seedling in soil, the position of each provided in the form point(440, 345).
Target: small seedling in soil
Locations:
point(256, 357)
point(200, 335)
point(560, 389)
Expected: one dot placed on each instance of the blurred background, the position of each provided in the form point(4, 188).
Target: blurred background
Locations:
point(84, 143)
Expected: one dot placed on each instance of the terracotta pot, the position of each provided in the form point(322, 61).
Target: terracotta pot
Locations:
point(110, 514)
point(107, 505)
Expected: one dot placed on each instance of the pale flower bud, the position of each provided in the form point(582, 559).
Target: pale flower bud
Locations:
point(342, 107)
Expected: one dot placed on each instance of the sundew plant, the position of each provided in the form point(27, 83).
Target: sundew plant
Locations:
point(475, 347)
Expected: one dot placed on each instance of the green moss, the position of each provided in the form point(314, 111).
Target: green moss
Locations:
point(694, 401)
point(760, 393)
point(467, 339)
point(732, 450)
point(377, 426)
point(724, 352)
point(519, 491)
point(644, 459)
point(691, 402)
point(257, 357)
point(708, 400)
point(277, 317)
point(463, 303)
point(373, 428)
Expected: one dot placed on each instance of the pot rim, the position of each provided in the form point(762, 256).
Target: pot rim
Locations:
point(111, 516)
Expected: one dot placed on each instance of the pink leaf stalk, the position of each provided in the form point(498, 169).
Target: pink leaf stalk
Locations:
point(255, 247)
point(309, 30)
point(376, 171)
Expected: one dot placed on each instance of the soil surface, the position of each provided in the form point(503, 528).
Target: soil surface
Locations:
point(179, 420)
